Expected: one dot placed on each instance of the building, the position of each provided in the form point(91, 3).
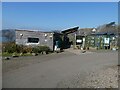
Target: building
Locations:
point(104, 37)
point(69, 37)
point(81, 37)
point(85, 38)
point(38, 38)
point(28, 37)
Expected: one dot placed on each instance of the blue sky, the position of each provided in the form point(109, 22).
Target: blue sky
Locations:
point(57, 15)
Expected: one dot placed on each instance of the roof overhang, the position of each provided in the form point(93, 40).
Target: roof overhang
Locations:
point(71, 30)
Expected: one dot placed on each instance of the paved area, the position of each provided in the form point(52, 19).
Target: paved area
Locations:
point(49, 71)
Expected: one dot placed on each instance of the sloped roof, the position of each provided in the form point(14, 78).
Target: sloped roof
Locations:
point(71, 30)
point(108, 30)
point(85, 31)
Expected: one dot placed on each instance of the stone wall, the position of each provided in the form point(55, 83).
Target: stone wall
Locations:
point(45, 38)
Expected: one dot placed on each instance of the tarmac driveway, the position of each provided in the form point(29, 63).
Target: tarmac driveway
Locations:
point(49, 72)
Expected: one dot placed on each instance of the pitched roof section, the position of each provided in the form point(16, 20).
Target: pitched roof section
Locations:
point(108, 30)
point(71, 30)
point(103, 30)
point(85, 31)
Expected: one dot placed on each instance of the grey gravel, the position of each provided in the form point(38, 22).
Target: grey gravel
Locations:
point(105, 78)
point(55, 70)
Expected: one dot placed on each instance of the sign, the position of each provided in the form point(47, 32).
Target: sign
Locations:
point(79, 41)
point(106, 41)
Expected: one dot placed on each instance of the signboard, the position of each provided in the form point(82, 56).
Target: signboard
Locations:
point(106, 41)
point(79, 41)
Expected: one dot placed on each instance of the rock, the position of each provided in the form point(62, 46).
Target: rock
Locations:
point(83, 51)
point(21, 54)
point(15, 55)
point(114, 49)
point(34, 54)
point(7, 58)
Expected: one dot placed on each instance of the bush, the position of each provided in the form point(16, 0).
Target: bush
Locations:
point(9, 47)
point(27, 49)
point(14, 48)
point(19, 48)
point(41, 49)
point(35, 50)
point(44, 48)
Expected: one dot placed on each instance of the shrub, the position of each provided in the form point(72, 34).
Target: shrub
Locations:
point(35, 50)
point(27, 49)
point(44, 48)
point(14, 48)
point(41, 49)
point(9, 47)
point(19, 48)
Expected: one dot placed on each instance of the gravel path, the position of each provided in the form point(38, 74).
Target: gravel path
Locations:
point(105, 78)
point(24, 61)
point(62, 70)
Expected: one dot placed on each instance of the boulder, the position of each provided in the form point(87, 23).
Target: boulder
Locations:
point(7, 58)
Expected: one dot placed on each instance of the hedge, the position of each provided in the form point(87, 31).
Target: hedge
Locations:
point(14, 48)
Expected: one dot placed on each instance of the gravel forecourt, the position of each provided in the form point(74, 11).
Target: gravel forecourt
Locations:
point(105, 78)
point(62, 70)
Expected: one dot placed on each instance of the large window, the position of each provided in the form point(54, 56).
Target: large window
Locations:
point(33, 40)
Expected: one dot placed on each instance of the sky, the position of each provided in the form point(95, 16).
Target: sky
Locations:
point(47, 16)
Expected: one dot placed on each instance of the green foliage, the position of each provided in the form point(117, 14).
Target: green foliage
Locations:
point(14, 48)
point(35, 50)
point(40, 49)
point(44, 48)
point(6, 54)
point(26, 49)
point(9, 47)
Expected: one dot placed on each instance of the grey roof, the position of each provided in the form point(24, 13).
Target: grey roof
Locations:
point(108, 30)
point(85, 31)
point(71, 30)
point(88, 31)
